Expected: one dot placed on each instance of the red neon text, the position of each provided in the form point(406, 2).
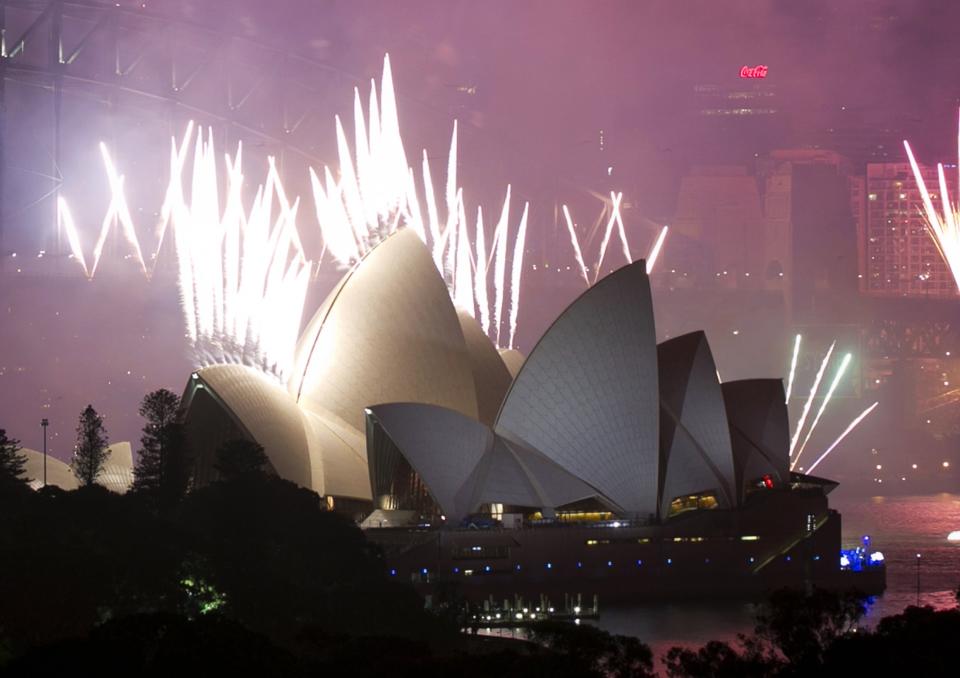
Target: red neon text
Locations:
point(753, 72)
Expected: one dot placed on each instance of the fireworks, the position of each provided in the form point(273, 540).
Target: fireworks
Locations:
point(853, 425)
point(65, 222)
point(655, 250)
point(809, 401)
point(943, 227)
point(117, 214)
point(377, 193)
point(242, 270)
point(242, 274)
point(576, 246)
point(515, 278)
point(823, 406)
point(614, 210)
point(795, 452)
point(614, 218)
point(793, 367)
point(500, 265)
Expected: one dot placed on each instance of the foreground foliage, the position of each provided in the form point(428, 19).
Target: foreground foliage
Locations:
point(253, 575)
point(817, 634)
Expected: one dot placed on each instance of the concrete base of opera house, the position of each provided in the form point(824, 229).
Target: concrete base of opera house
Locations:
point(788, 539)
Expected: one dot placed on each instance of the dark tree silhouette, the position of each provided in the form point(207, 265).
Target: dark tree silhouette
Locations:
point(920, 641)
point(718, 659)
point(163, 464)
point(11, 461)
point(793, 632)
point(592, 651)
point(802, 626)
point(239, 457)
point(91, 451)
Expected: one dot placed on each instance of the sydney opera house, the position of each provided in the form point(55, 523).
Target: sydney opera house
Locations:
point(117, 474)
point(601, 460)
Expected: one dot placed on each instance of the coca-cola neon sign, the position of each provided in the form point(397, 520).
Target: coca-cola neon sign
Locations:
point(753, 71)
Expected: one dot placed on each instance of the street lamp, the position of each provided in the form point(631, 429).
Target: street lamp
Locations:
point(43, 424)
point(918, 580)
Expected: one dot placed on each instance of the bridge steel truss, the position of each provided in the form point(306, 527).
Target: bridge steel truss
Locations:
point(138, 59)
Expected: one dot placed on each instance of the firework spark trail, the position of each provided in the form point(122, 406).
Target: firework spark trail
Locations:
point(500, 264)
point(243, 276)
point(500, 228)
point(340, 243)
point(348, 182)
point(432, 214)
point(108, 219)
point(122, 208)
point(943, 229)
point(595, 228)
point(178, 156)
point(843, 435)
point(117, 213)
point(451, 196)
point(376, 193)
point(813, 394)
point(823, 406)
point(517, 271)
point(621, 229)
point(375, 190)
point(183, 243)
point(361, 140)
point(655, 250)
point(65, 221)
point(480, 276)
point(374, 179)
point(793, 367)
point(606, 235)
point(411, 213)
point(463, 280)
point(285, 206)
point(204, 260)
point(576, 246)
point(231, 243)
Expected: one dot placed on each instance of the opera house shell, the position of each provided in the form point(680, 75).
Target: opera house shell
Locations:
point(398, 398)
point(117, 474)
point(598, 416)
point(388, 332)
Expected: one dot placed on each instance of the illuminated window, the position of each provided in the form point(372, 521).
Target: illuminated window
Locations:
point(693, 502)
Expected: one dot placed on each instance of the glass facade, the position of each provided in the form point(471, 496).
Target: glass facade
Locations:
point(900, 257)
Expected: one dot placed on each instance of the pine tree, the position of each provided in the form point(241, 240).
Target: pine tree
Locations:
point(12, 463)
point(163, 464)
point(91, 451)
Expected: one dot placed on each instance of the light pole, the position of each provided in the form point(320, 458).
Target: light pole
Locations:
point(918, 580)
point(43, 424)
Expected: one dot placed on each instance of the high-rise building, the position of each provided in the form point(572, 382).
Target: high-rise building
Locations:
point(720, 215)
point(791, 225)
point(898, 256)
point(810, 230)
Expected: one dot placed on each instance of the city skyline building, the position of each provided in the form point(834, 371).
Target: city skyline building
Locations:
point(898, 257)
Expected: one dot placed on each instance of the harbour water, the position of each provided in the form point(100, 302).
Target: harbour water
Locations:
point(899, 526)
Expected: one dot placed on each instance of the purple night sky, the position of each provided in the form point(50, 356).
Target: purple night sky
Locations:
point(532, 83)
